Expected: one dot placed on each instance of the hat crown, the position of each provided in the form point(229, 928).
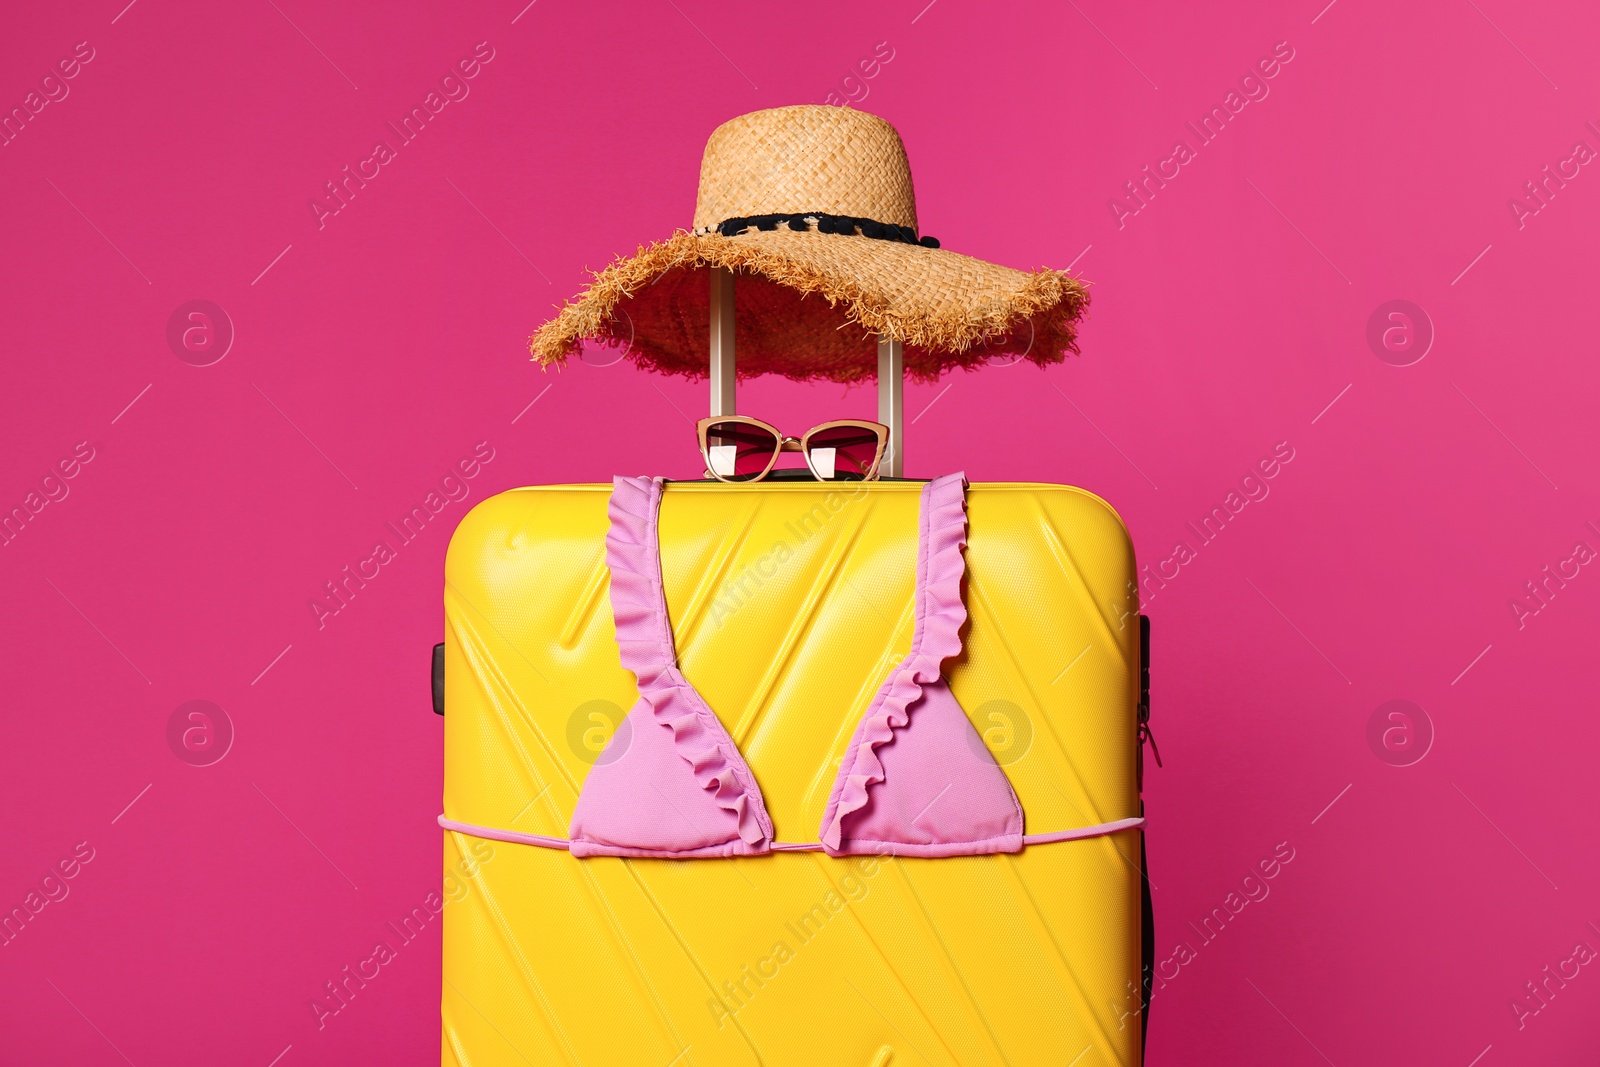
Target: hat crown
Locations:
point(807, 158)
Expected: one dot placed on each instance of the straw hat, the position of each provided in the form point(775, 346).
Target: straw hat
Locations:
point(813, 207)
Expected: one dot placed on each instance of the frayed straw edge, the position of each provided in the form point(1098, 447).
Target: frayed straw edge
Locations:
point(1052, 299)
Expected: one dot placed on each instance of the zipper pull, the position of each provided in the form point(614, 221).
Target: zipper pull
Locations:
point(1146, 735)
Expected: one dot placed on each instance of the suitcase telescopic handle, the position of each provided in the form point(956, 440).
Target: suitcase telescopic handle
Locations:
point(724, 386)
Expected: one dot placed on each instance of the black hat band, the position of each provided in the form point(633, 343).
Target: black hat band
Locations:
point(840, 224)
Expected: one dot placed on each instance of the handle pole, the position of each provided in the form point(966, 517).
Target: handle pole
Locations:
point(723, 386)
point(891, 403)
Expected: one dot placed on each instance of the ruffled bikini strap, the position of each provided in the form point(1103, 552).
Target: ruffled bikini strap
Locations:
point(936, 637)
point(645, 643)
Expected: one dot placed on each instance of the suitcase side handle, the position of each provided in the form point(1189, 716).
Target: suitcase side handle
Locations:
point(436, 677)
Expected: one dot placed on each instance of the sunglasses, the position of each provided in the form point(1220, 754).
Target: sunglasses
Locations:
point(738, 448)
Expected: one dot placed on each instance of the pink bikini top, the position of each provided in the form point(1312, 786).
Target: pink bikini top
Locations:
point(908, 783)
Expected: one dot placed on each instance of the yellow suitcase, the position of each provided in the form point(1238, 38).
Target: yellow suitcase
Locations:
point(793, 958)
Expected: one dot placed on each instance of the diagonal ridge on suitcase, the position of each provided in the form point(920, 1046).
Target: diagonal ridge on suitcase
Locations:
point(1086, 1009)
point(587, 605)
point(1014, 661)
point(1069, 566)
point(801, 628)
point(713, 579)
point(866, 936)
point(683, 945)
point(821, 782)
point(497, 692)
point(955, 968)
point(509, 942)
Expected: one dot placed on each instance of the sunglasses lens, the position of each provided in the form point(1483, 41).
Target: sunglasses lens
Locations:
point(842, 453)
point(737, 451)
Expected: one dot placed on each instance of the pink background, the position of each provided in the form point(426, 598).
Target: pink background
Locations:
point(1228, 314)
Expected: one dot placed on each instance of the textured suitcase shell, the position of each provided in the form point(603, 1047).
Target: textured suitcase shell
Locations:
point(789, 603)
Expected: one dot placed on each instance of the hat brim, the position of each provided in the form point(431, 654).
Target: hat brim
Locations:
point(810, 305)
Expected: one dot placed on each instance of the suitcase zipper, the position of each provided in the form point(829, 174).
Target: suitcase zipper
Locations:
point(1146, 735)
